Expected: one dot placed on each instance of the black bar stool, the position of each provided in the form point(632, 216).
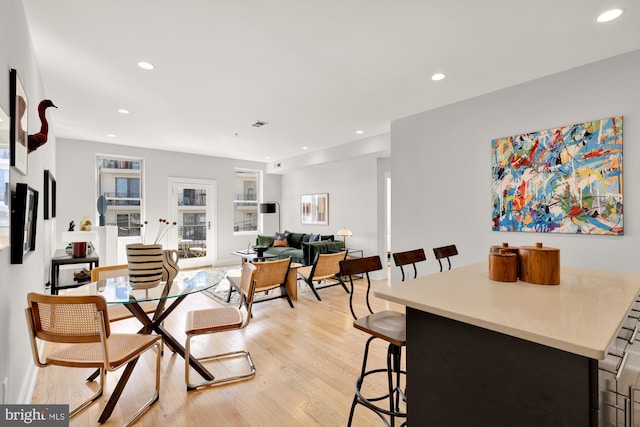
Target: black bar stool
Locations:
point(445, 252)
point(386, 325)
point(409, 257)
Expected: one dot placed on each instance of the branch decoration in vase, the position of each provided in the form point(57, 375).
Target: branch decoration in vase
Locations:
point(163, 229)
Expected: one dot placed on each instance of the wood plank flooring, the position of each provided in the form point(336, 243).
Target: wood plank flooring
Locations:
point(307, 360)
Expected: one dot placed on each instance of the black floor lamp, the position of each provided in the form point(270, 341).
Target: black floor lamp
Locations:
point(269, 208)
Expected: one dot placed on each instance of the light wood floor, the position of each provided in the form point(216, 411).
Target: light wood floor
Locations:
point(307, 360)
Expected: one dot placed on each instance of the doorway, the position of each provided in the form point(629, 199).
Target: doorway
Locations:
point(192, 203)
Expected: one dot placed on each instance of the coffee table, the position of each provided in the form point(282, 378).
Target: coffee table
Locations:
point(252, 256)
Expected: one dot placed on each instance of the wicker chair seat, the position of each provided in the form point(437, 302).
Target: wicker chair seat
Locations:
point(121, 348)
point(213, 320)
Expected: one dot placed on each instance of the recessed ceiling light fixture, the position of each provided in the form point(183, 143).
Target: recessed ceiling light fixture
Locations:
point(609, 15)
point(437, 76)
point(305, 148)
point(145, 65)
point(359, 132)
point(123, 111)
point(110, 135)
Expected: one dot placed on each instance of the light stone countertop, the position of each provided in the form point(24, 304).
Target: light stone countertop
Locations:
point(581, 315)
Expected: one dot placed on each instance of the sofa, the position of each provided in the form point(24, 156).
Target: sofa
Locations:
point(298, 246)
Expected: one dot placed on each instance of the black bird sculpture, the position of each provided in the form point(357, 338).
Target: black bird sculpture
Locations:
point(40, 138)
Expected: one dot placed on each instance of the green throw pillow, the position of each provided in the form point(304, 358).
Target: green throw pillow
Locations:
point(263, 240)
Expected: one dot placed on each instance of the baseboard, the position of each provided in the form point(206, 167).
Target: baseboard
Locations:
point(29, 383)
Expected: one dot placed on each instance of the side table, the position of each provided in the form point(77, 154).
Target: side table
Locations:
point(60, 257)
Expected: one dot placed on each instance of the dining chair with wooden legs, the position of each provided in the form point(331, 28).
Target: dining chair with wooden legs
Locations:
point(82, 322)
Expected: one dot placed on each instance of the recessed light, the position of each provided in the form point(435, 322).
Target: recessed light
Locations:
point(305, 148)
point(110, 135)
point(123, 111)
point(437, 76)
point(609, 15)
point(145, 65)
point(267, 158)
point(359, 132)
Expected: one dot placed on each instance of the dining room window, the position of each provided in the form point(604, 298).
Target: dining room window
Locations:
point(247, 187)
point(120, 181)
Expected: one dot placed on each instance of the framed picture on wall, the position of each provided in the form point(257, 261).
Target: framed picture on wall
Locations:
point(49, 195)
point(18, 131)
point(5, 192)
point(314, 208)
point(24, 209)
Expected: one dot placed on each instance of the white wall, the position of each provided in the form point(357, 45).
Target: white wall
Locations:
point(77, 190)
point(354, 199)
point(441, 168)
point(17, 280)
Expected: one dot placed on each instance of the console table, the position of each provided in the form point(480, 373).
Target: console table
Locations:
point(60, 257)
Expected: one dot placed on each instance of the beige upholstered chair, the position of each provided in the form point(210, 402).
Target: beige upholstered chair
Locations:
point(119, 311)
point(325, 267)
point(221, 319)
point(82, 322)
point(409, 257)
point(445, 252)
point(269, 275)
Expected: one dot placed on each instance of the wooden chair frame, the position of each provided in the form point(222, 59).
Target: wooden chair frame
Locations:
point(325, 267)
point(409, 257)
point(269, 275)
point(118, 311)
point(82, 322)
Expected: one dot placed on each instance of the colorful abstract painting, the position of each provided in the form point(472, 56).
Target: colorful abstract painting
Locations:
point(563, 180)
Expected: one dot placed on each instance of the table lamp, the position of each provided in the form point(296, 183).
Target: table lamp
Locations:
point(344, 232)
point(79, 240)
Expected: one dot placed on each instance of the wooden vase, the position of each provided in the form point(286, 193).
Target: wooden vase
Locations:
point(509, 249)
point(540, 265)
point(503, 266)
point(145, 265)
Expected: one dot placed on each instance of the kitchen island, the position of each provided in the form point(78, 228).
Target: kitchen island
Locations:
point(487, 353)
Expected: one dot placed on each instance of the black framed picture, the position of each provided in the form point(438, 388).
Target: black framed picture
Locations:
point(24, 210)
point(18, 131)
point(49, 195)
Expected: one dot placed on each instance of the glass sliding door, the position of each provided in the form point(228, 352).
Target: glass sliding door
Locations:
point(192, 207)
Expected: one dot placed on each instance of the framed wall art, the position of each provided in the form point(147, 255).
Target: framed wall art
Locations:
point(49, 195)
point(5, 192)
point(561, 180)
point(314, 208)
point(18, 131)
point(24, 209)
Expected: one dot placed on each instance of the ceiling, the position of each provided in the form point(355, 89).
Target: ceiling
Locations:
point(315, 71)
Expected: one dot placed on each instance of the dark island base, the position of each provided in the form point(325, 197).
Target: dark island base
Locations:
point(464, 375)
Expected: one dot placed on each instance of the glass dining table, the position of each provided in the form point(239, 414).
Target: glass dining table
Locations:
point(117, 290)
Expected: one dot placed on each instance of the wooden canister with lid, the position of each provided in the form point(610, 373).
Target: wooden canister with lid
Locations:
point(539, 265)
point(503, 266)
